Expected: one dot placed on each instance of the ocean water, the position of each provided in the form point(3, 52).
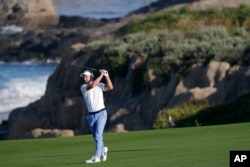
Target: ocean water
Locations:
point(99, 8)
point(22, 84)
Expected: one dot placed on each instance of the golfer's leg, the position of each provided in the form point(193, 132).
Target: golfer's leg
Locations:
point(100, 124)
point(92, 125)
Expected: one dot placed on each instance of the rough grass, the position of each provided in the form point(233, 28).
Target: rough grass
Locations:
point(189, 21)
point(200, 147)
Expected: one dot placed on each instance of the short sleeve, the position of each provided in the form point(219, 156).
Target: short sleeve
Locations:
point(83, 88)
point(101, 85)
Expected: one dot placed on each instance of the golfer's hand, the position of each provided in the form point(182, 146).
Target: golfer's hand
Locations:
point(105, 73)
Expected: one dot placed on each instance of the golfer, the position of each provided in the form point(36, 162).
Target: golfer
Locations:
point(92, 92)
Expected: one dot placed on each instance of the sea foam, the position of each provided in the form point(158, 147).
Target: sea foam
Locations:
point(22, 84)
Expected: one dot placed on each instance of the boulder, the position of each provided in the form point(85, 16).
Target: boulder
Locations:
point(77, 47)
point(217, 82)
point(118, 128)
point(41, 45)
point(48, 133)
point(28, 14)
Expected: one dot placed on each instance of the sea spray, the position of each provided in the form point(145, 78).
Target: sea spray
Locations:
point(22, 84)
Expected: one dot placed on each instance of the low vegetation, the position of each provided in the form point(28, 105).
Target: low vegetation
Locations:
point(189, 21)
point(222, 36)
point(173, 40)
point(200, 113)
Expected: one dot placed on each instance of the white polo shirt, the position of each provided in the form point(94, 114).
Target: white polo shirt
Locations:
point(93, 97)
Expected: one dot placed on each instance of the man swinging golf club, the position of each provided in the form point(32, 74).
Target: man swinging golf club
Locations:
point(92, 92)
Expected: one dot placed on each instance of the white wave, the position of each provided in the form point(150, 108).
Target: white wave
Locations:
point(33, 62)
point(21, 84)
point(10, 29)
point(20, 92)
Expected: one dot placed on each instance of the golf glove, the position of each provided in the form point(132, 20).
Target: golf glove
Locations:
point(105, 73)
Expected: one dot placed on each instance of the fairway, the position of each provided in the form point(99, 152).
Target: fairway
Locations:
point(179, 147)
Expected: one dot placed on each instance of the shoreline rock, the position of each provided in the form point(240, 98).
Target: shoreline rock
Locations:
point(28, 14)
point(62, 106)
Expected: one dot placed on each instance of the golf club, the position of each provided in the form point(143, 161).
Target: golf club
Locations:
point(76, 65)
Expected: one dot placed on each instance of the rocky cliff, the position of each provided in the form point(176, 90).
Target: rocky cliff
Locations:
point(62, 106)
point(27, 14)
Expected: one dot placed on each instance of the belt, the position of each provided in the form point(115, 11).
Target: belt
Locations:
point(92, 113)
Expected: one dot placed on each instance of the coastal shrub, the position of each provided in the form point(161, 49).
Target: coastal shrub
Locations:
point(203, 48)
point(157, 65)
point(186, 51)
point(119, 49)
point(112, 54)
point(158, 20)
point(241, 32)
point(241, 14)
point(116, 64)
point(96, 44)
point(235, 111)
point(132, 38)
point(211, 33)
point(175, 40)
point(189, 21)
point(99, 46)
point(195, 113)
point(146, 47)
point(179, 113)
point(162, 49)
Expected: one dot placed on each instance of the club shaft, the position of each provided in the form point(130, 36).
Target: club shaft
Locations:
point(84, 67)
point(76, 65)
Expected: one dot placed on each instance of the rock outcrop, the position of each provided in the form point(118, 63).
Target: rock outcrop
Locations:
point(62, 106)
point(28, 14)
point(41, 45)
point(48, 133)
point(43, 35)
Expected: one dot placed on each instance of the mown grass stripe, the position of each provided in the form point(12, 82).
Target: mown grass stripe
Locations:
point(180, 147)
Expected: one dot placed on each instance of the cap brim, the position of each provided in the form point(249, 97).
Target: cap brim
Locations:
point(86, 73)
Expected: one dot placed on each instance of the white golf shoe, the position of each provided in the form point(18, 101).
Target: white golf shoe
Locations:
point(93, 159)
point(105, 154)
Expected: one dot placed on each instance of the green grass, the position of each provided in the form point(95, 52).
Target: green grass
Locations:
point(180, 147)
point(189, 21)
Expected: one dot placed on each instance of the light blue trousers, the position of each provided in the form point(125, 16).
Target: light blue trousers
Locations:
point(97, 123)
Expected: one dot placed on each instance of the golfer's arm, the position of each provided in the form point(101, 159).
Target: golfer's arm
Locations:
point(109, 85)
point(95, 82)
